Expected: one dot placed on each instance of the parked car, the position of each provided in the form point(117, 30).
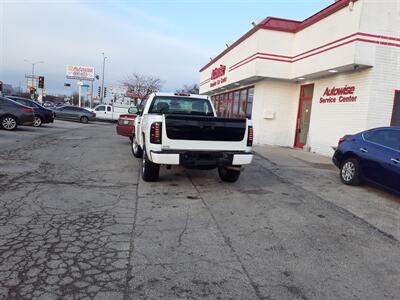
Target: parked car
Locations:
point(109, 112)
point(371, 156)
point(74, 113)
point(42, 114)
point(126, 123)
point(49, 104)
point(183, 129)
point(13, 114)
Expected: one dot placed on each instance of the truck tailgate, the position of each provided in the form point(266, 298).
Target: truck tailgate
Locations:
point(204, 133)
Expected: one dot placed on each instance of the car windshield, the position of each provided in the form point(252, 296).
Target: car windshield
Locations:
point(181, 106)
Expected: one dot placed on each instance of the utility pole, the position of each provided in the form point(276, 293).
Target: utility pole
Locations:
point(91, 94)
point(80, 83)
point(102, 79)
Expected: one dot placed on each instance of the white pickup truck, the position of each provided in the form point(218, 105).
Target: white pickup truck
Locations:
point(183, 129)
point(109, 112)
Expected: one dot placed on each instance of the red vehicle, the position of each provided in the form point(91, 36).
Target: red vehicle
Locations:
point(126, 125)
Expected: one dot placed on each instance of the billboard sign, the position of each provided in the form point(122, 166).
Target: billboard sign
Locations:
point(80, 72)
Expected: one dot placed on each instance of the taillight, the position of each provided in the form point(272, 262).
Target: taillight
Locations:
point(250, 136)
point(343, 139)
point(155, 133)
point(28, 110)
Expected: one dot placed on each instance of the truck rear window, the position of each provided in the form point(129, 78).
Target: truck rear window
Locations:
point(181, 106)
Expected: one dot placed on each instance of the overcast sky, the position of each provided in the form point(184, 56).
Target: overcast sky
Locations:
point(171, 39)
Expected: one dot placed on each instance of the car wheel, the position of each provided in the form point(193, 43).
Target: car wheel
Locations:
point(228, 175)
point(150, 170)
point(37, 122)
point(136, 150)
point(349, 172)
point(84, 120)
point(8, 123)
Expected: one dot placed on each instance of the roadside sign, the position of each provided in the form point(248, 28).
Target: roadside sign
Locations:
point(80, 72)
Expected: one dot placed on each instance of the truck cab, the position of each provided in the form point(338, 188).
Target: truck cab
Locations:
point(109, 112)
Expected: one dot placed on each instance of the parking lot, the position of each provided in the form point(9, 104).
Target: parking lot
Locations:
point(77, 222)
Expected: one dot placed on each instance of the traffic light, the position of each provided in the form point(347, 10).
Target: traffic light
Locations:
point(1, 86)
point(41, 82)
point(99, 92)
point(105, 92)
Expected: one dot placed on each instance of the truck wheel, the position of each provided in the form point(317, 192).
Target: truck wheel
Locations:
point(228, 175)
point(136, 150)
point(150, 170)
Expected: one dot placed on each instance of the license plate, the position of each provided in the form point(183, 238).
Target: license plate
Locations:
point(126, 122)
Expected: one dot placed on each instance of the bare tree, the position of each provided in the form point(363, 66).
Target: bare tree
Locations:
point(141, 86)
point(191, 89)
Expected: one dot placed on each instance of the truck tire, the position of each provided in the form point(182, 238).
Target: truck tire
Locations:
point(136, 150)
point(150, 170)
point(228, 175)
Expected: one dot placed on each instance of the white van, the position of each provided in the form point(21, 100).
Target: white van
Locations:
point(109, 112)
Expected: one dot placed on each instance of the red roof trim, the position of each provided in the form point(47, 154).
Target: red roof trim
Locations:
point(285, 25)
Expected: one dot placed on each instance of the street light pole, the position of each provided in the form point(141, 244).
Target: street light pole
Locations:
point(102, 79)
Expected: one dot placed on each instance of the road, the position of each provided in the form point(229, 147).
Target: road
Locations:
point(77, 222)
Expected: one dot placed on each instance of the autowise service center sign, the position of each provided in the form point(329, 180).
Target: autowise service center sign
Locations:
point(341, 95)
point(218, 76)
point(80, 72)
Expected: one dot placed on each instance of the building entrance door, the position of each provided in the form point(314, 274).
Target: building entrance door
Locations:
point(304, 115)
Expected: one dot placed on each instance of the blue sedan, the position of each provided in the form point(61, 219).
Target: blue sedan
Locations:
point(371, 156)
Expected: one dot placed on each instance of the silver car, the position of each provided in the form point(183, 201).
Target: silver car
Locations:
point(74, 113)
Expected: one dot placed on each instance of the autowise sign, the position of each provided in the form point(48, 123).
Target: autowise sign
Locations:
point(216, 75)
point(80, 72)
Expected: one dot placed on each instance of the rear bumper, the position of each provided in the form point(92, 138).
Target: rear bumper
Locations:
point(337, 158)
point(48, 119)
point(124, 130)
point(199, 159)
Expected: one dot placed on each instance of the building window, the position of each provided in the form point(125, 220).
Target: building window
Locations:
point(396, 110)
point(243, 104)
point(250, 99)
point(235, 104)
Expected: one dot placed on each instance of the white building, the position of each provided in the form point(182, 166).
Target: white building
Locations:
point(311, 82)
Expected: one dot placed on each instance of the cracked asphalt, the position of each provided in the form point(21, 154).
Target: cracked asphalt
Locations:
point(77, 222)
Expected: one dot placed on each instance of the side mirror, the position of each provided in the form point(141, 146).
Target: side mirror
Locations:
point(133, 110)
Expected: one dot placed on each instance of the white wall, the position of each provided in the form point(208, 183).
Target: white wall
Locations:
point(282, 99)
point(386, 73)
point(331, 121)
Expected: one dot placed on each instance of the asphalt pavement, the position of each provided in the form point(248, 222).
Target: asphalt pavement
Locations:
point(77, 222)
